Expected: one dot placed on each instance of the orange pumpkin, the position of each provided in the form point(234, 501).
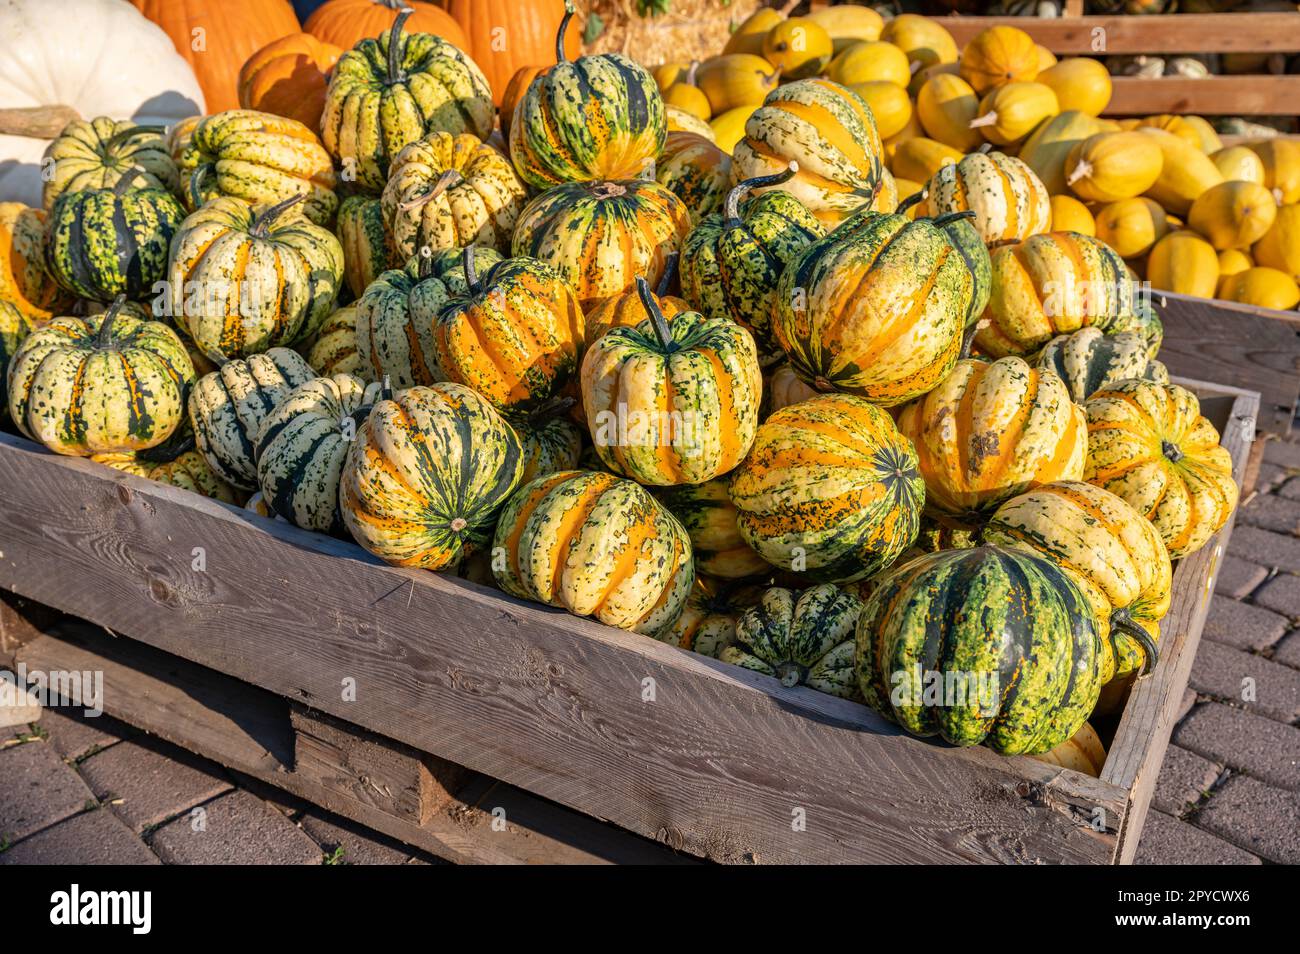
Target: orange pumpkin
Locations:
point(288, 77)
point(345, 23)
point(514, 92)
point(506, 35)
point(216, 37)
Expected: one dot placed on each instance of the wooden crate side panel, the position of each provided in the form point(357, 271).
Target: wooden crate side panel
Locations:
point(1247, 95)
point(658, 740)
point(1181, 33)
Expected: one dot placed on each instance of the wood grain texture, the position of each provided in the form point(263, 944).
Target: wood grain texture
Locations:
point(1181, 33)
point(1135, 756)
point(36, 122)
point(248, 730)
point(1256, 349)
point(1250, 95)
point(719, 763)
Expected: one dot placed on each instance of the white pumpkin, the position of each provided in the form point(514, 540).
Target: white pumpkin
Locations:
point(101, 57)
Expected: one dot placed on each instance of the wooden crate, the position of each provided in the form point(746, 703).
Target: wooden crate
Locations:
point(713, 761)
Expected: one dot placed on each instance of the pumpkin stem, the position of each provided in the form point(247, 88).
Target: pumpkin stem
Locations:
point(968, 339)
point(559, 34)
point(122, 135)
point(651, 307)
point(670, 269)
point(105, 340)
point(988, 119)
point(550, 408)
point(471, 274)
point(691, 71)
point(424, 268)
point(1081, 170)
point(217, 357)
point(418, 195)
point(123, 185)
point(731, 208)
point(911, 200)
point(1151, 653)
point(949, 217)
point(262, 224)
point(790, 673)
point(386, 389)
point(395, 72)
point(1172, 451)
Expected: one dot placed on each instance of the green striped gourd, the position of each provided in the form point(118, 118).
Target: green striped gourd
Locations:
point(1114, 554)
point(428, 474)
point(14, 328)
point(707, 622)
point(1088, 360)
point(595, 545)
point(732, 261)
point(833, 530)
point(367, 249)
point(1142, 321)
point(334, 351)
point(24, 281)
point(549, 441)
point(102, 243)
point(696, 171)
point(802, 639)
point(596, 117)
point(228, 407)
point(101, 384)
point(97, 153)
point(245, 278)
point(709, 517)
point(672, 403)
point(1010, 202)
point(1008, 633)
point(389, 91)
point(302, 444)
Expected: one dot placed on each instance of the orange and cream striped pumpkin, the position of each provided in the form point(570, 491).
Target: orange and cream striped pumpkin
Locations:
point(24, 282)
point(1010, 202)
point(696, 171)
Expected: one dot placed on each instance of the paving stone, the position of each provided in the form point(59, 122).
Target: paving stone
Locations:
point(361, 846)
point(91, 838)
point(1184, 707)
point(1241, 740)
point(282, 801)
point(75, 736)
point(1260, 818)
point(1272, 513)
point(1268, 549)
point(1287, 652)
point(1290, 489)
point(36, 790)
point(237, 829)
point(1168, 841)
point(1269, 476)
point(1243, 625)
point(1238, 577)
point(1280, 594)
point(1273, 690)
point(149, 781)
point(1184, 778)
point(1282, 454)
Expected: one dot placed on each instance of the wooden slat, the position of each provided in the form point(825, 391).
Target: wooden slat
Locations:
point(720, 761)
point(1135, 756)
point(1181, 33)
point(1247, 140)
point(1238, 345)
point(1206, 95)
point(248, 730)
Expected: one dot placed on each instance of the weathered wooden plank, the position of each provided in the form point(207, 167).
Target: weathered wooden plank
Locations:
point(1257, 349)
point(1136, 753)
point(726, 763)
point(386, 775)
point(21, 620)
point(248, 730)
point(1249, 95)
point(1183, 33)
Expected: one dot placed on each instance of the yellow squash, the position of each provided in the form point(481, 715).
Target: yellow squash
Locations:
point(1010, 112)
point(1185, 172)
point(1280, 246)
point(1079, 83)
point(925, 41)
point(1233, 214)
point(867, 61)
point(1108, 167)
point(1261, 287)
point(997, 56)
point(736, 79)
point(1239, 164)
point(1132, 226)
point(848, 23)
point(946, 104)
point(798, 47)
point(1071, 215)
point(1184, 262)
point(1047, 147)
point(1281, 158)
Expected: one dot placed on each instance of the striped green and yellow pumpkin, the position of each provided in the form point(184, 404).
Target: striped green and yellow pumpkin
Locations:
point(389, 91)
point(596, 117)
point(707, 623)
point(260, 159)
point(1052, 284)
point(984, 646)
point(993, 430)
point(625, 309)
point(1088, 360)
point(732, 261)
point(334, 351)
point(245, 278)
point(709, 516)
point(14, 329)
point(595, 545)
point(1143, 322)
point(228, 407)
point(183, 467)
point(448, 191)
point(1114, 554)
point(101, 384)
point(1149, 444)
point(828, 130)
point(877, 308)
point(830, 489)
point(24, 282)
point(102, 243)
point(302, 444)
point(1010, 202)
point(550, 442)
point(367, 250)
point(144, 311)
point(428, 474)
point(514, 336)
point(802, 639)
point(696, 171)
point(602, 235)
point(672, 403)
point(97, 153)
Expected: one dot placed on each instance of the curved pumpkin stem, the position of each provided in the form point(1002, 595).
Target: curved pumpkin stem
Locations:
point(670, 269)
point(386, 389)
point(988, 119)
point(949, 217)
point(217, 357)
point(123, 185)
point(471, 274)
point(444, 182)
point(1151, 653)
point(651, 307)
point(262, 224)
point(968, 339)
point(913, 199)
point(731, 207)
point(559, 34)
point(122, 135)
point(1173, 453)
point(395, 74)
point(105, 340)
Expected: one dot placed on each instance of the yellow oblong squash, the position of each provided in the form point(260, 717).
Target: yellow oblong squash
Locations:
point(1079, 83)
point(1047, 147)
point(1238, 164)
point(1185, 172)
point(997, 56)
point(1281, 158)
point(1132, 226)
point(1231, 261)
point(689, 98)
point(1046, 58)
point(920, 158)
point(1185, 263)
point(870, 60)
point(1108, 167)
point(1178, 125)
point(848, 23)
point(729, 127)
point(1262, 287)
point(735, 79)
point(1071, 215)
point(923, 40)
point(1280, 246)
point(1010, 112)
point(946, 104)
point(1233, 214)
point(889, 104)
point(798, 47)
point(748, 37)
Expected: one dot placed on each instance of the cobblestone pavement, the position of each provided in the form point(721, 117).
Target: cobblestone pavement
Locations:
point(93, 791)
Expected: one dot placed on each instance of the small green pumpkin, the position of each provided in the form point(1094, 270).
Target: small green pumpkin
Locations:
point(549, 440)
point(707, 623)
point(709, 516)
point(1089, 360)
point(334, 350)
point(1142, 321)
point(14, 328)
point(97, 153)
point(367, 249)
